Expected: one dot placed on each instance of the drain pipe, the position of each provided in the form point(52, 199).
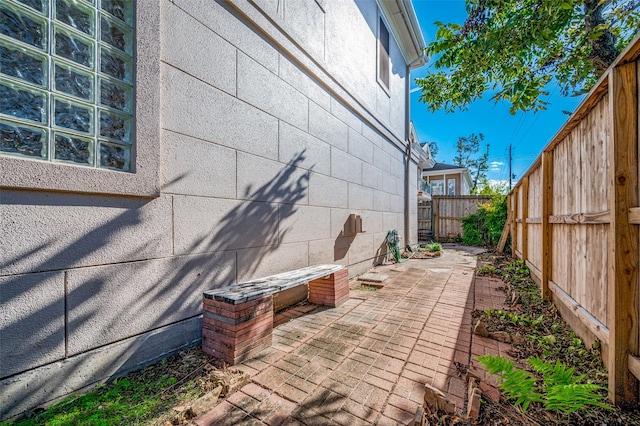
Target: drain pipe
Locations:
point(407, 137)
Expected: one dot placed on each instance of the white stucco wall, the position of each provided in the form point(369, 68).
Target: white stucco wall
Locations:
point(272, 131)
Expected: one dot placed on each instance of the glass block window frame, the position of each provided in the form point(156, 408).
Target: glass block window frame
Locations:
point(66, 81)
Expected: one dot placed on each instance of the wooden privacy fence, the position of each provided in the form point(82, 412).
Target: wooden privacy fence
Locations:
point(448, 212)
point(574, 219)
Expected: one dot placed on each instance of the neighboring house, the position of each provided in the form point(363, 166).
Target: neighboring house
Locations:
point(446, 179)
point(152, 150)
point(425, 161)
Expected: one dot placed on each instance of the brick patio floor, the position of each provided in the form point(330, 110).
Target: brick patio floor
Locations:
point(367, 361)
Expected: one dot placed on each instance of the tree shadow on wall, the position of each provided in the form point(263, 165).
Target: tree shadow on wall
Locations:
point(382, 253)
point(255, 226)
point(343, 242)
point(65, 306)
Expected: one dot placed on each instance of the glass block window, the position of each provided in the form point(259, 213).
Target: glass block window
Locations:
point(66, 81)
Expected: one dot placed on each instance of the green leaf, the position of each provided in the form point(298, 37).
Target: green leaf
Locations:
point(515, 49)
point(515, 383)
point(573, 397)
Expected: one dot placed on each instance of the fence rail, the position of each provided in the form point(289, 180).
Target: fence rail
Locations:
point(574, 218)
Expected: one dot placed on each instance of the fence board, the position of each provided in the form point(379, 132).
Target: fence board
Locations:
point(524, 245)
point(516, 236)
point(595, 188)
point(596, 277)
point(535, 193)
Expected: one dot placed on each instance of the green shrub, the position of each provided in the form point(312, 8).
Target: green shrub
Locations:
point(484, 227)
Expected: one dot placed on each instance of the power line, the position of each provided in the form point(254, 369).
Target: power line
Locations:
point(518, 127)
point(510, 172)
point(535, 118)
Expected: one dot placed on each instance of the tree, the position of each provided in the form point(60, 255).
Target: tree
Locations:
point(514, 48)
point(467, 149)
point(492, 188)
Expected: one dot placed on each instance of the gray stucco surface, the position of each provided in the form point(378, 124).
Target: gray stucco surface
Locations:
point(213, 175)
point(267, 140)
point(109, 303)
point(31, 321)
point(52, 381)
point(53, 231)
point(327, 127)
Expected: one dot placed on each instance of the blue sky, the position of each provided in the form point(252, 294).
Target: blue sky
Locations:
point(527, 132)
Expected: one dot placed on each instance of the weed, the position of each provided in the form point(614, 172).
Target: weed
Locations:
point(561, 390)
point(488, 269)
point(514, 318)
point(365, 287)
point(433, 246)
point(515, 383)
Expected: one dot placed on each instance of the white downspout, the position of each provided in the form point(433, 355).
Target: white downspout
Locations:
point(407, 135)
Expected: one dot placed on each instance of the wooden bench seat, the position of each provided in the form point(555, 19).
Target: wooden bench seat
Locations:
point(238, 320)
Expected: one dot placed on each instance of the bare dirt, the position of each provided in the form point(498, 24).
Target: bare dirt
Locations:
point(200, 383)
point(543, 333)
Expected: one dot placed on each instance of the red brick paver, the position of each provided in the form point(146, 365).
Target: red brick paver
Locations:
point(487, 296)
point(366, 361)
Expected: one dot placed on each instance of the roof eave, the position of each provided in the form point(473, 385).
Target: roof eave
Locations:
point(463, 171)
point(402, 17)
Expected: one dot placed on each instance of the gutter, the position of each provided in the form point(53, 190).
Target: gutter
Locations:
point(412, 23)
point(407, 136)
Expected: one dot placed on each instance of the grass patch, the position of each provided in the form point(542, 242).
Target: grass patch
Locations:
point(124, 401)
point(367, 287)
point(145, 397)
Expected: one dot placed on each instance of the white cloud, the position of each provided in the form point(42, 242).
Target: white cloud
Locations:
point(495, 166)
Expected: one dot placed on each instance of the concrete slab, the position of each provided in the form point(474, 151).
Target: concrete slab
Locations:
point(373, 277)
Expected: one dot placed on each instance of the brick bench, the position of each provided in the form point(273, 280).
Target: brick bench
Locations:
point(238, 320)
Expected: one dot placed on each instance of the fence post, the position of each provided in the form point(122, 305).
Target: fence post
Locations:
point(524, 250)
point(435, 222)
point(622, 289)
point(514, 221)
point(547, 235)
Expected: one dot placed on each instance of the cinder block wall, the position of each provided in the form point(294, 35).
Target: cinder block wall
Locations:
point(273, 131)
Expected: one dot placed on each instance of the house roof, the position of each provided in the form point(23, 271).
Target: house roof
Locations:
point(442, 166)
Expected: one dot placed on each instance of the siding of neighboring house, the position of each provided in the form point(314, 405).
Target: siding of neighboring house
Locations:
point(455, 179)
point(465, 189)
point(267, 130)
